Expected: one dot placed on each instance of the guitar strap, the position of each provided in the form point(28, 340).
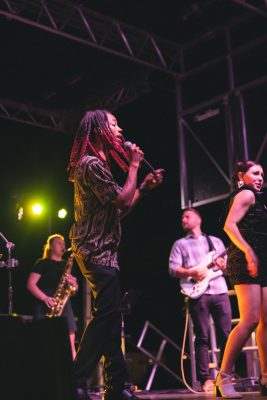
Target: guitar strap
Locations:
point(211, 245)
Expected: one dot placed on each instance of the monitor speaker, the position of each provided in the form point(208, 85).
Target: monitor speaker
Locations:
point(36, 361)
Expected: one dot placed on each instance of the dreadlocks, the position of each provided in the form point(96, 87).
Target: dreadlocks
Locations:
point(95, 123)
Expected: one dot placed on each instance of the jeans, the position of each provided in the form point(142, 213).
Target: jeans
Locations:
point(219, 307)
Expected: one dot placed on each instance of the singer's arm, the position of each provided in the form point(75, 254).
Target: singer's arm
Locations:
point(130, 195)
point(151, 181)
point(125, 199)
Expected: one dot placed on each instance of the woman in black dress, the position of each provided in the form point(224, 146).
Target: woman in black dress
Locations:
point(246, 226)
point(43, 281)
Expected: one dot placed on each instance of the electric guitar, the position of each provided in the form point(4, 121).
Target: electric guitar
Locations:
point(194, 289)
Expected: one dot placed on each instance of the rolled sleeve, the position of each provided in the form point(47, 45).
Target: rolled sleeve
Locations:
point(175, 259)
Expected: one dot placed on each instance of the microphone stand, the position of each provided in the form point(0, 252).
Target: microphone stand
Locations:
point(124, 310)
point(9, 264)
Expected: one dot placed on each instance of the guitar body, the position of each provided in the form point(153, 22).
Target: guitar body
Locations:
point(194, 289)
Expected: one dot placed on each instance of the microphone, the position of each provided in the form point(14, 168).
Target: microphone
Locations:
point(128, 145)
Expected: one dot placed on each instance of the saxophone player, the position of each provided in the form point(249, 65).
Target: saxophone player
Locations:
point(43, 281)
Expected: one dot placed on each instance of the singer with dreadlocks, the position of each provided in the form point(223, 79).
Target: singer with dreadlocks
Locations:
point(99, 204)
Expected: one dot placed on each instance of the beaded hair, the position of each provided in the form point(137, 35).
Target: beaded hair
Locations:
point(95, 123)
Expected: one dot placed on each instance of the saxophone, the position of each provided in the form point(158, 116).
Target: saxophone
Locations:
point(63, 291)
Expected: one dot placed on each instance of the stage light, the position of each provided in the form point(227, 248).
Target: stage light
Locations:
point(37, 209)
point(62, 213)
point(20, 213)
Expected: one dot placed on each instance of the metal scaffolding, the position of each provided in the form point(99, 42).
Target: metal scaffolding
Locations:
point(185, 63)
point(66, 121)
point(227, 105)
point(120, 93)
point(27, 114)
point(79, 23)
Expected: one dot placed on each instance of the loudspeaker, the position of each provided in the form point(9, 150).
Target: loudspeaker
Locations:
point(35, 361)
point(52, 360)
point(12, 377)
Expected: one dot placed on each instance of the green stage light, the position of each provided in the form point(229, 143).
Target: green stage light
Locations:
point(37, 209)
point(62, 213)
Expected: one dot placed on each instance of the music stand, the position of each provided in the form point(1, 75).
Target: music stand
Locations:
point(10, 263)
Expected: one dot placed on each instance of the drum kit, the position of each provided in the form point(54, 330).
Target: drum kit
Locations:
point(9, 264)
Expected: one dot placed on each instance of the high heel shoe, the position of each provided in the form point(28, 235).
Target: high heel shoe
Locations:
point(263, 386)
point(223, 387)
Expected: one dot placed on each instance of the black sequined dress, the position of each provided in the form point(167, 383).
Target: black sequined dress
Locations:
point(253, 228)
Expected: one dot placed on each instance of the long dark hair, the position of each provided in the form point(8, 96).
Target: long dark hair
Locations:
point(95, 123)
point(242, 166)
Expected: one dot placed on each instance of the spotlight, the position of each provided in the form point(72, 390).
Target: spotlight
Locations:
point(20, 213)
point(37, 209)
point(62, 213)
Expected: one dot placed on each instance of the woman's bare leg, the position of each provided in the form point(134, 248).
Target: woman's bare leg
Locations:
point(261, 336)
point(249, 304)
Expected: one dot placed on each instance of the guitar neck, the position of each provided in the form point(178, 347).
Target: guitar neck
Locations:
point(210, 265)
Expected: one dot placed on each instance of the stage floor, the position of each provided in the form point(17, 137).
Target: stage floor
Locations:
point(180, 395)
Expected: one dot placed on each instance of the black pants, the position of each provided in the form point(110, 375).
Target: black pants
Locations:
point(102, 336)
point(219, 307)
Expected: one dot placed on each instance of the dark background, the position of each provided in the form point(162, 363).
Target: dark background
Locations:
point(33, 160)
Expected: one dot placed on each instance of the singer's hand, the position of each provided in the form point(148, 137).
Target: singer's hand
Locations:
point(135, 155)
point(152, 180)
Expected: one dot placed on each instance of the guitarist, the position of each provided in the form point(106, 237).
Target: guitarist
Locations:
point(186, 254)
